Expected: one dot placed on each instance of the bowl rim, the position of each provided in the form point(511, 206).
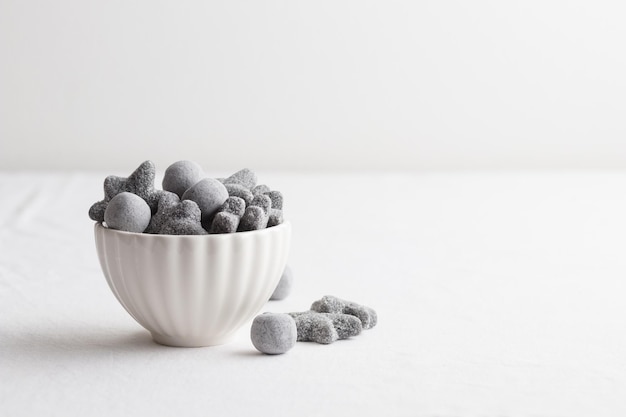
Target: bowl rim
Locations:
point(105, 229)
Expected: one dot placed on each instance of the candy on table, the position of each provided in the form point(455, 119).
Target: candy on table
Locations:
point(140, 182)
point(209, 194)
point(283, 289)
point(331, 304)
point(273, 333)
point(325, 328)
point(128, 212)
point(181, 175)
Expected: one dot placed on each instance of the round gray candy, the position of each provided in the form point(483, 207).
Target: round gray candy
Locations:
point(181, 175)
point(209, 194)
point(283, 289)
point(129, 212)
point(273, 333)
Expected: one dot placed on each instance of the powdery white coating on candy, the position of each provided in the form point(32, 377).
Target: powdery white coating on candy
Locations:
point(325, 328)
point(238, 190)
point(277, 199)
point(224, 222)
point(262, 201)
point(209, 194)
point(167, 203)
point(127, 211)
point(234, 205)
point(273, 333)
point(253, 219)
point(140, 182)
point(245, 177)
point(275, 218)
point(331, 304)
point(181, 175)
point(283, 289)
point(260, 189)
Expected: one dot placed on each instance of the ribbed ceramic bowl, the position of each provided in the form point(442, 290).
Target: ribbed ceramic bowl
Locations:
point(193, 291)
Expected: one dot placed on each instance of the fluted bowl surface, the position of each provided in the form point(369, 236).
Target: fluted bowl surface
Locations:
point(193, 291)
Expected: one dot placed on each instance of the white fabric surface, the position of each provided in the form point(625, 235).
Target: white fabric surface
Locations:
point(497, 295)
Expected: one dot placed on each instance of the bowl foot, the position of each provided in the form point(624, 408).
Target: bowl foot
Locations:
point(190, 342)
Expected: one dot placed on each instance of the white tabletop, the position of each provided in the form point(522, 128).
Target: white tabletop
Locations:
point(497, 295)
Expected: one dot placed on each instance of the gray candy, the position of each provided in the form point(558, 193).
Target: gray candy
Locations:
point(238, 190)
point(262, 201)
point(140, 182)
point(229, 215)
point(234, 205)
point(209, 194)
point(224, 222)
point(331, 304)
point(253, 219)
point(260, 189)
point(167, 203)
point(127, 211)
point(273, 333)
point(184, 219)
point(275, 218)
point(277, 199)
point(283, 289)
point(181, 175)
point(325, 328)
point(245, 177)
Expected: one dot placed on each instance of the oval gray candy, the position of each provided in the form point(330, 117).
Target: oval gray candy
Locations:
point(128, 212)
point(273, 333)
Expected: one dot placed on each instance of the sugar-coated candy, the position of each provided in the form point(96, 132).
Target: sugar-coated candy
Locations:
point(238, 190)
point(260, 189)
point(277, 199)
point(140, 182)
point(263, 201)
point(275, 218)
point(244, 205)
point(234, 205)
point(168, 201)
point(209, 194)
point(96, 211)
point(128, 212)
point(183, 219)
point(331, 304)
point(325, 328)
point(181, 175)
point(283, 289)
point(253, 219)
point(224, 222)
point(273, 333)
point(245, 177)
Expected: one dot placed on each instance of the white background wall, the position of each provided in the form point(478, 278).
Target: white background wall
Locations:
point(329, 84)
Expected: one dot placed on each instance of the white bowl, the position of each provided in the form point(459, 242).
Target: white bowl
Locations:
point(193, 291)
